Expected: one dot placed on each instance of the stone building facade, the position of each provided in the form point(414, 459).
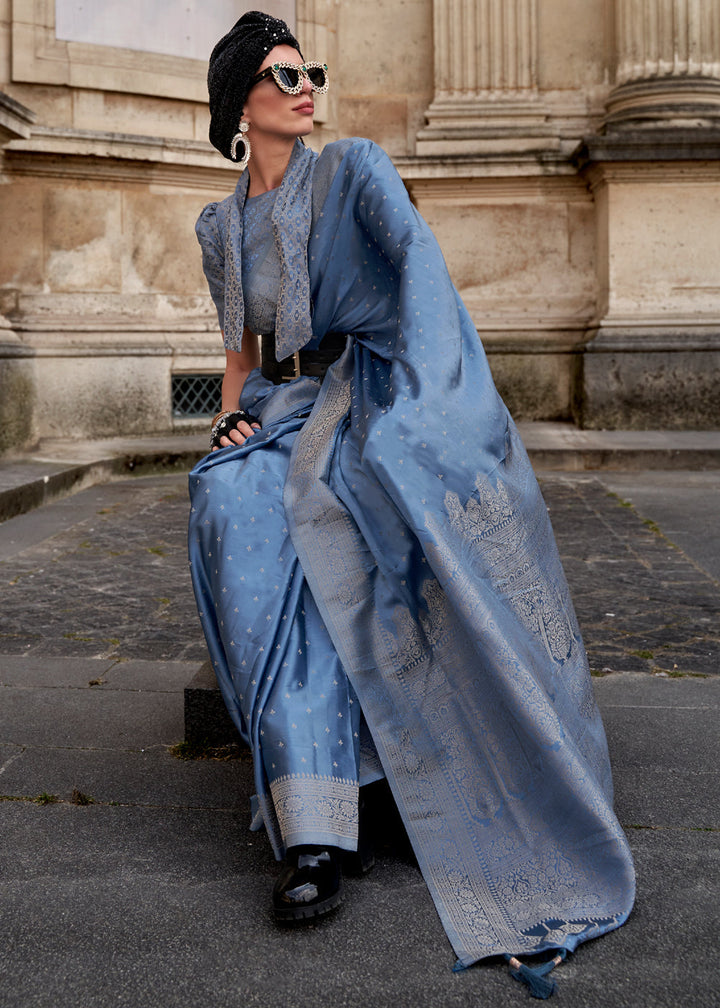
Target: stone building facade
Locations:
point(565, 152)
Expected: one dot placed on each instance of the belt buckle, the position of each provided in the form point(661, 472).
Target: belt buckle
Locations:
point(295, 367)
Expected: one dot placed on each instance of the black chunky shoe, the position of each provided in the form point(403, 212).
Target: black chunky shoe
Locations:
point(309, 885)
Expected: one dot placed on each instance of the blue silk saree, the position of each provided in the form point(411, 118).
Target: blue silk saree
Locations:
point(380, 588)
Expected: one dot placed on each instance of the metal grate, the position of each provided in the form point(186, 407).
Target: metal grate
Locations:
point(196, 395)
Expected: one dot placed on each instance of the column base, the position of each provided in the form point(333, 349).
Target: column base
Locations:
point(18, 428)
point(652, 378)
point(69, 383)
point(670, 101)
point(485, 125)
point(654, 146)
point(652, 361)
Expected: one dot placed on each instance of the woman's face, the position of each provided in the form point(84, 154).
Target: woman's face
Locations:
point(270, 112)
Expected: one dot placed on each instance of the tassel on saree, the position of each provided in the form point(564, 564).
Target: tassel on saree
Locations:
point(536, 978)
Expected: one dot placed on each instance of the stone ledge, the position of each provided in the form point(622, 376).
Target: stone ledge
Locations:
point(494, 161)
point(58, 469)
point(207, 721)
point(550, 444)
point(136, 146)
point(648, 335)
point(651, 144)
point(15, 119)
point(96, 155)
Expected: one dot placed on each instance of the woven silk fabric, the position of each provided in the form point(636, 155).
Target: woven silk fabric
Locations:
point(260, 264)
point(403, 496)
point(219, 231)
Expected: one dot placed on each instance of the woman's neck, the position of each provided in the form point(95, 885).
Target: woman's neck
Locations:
point(267, 165)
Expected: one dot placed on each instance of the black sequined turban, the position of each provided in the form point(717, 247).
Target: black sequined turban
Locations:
point(233, 63)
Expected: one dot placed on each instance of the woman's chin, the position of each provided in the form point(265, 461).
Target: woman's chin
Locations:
point(306, 128)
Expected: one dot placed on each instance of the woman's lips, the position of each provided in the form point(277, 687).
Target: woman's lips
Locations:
point(307, 107)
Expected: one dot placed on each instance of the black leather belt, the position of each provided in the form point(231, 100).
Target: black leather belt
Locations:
point(312, 363)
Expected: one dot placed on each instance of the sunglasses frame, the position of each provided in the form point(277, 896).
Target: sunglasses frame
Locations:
point(302, 68)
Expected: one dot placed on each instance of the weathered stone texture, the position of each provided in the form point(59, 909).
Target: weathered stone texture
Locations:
point(22, 246)
point(652, 390)
point(161, 252)
point(17, 401)
point(565, 155)
point(536, 386)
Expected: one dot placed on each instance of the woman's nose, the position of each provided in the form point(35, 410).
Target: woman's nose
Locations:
point(307, 86)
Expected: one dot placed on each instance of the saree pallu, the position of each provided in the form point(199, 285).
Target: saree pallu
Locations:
point(407, 557)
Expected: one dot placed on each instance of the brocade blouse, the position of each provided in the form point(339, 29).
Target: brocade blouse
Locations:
point(260, 263)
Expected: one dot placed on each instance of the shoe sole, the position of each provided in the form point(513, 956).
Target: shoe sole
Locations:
point(303, 914)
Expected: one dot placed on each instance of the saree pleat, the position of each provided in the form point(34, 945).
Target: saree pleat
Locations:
point(276, 666)
point(419, 532)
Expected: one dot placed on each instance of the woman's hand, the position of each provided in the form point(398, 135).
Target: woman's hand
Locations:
point(234, 426)
point(232, 429)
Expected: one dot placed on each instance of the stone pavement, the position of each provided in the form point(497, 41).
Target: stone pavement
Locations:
point(129, 875)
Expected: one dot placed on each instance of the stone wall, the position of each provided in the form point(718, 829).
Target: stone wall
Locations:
point(565, 153)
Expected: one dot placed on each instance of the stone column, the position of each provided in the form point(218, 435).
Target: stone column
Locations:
point(18, 428)
point(317, 34)
point(484, 47)
point(668, 64)
point(652, 358)
point(485, 71)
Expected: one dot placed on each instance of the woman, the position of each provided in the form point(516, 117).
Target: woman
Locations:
point(375, 571)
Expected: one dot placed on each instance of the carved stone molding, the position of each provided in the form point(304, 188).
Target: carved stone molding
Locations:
point(485, 48)
point(668, 64)
point(15, 119)
point(96, 156)
point(38, 56)
point(662, 38)
point(486, 80)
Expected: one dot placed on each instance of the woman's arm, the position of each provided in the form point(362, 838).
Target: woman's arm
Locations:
point(238, 366)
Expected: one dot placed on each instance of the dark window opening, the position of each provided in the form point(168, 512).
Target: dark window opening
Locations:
point(196, 395)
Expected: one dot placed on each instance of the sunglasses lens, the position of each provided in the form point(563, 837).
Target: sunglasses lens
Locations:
point(289, 77)
point(318, 77)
